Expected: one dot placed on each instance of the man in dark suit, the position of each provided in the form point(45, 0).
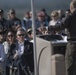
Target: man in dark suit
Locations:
point(25, 62)
point(70, 24)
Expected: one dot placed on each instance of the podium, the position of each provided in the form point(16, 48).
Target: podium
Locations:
point(47, 45)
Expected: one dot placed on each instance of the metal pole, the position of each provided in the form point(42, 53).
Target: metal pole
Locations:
point(34, 38)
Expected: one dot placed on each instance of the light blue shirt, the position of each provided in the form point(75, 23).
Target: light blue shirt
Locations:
point(20, 48)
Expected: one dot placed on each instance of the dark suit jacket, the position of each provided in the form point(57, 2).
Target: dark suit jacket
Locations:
point(11, 52)
point(27, 56)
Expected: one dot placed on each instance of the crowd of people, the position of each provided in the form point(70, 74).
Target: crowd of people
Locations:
point(42, 20)
point(16, 37)
point(70, 24)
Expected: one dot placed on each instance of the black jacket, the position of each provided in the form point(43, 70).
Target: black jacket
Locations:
point(27, 58)
point(28, 55)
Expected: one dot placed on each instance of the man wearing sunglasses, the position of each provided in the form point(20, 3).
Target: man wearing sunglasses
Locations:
point(25, 62)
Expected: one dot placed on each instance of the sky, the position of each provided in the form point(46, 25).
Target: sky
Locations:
point(23, 5)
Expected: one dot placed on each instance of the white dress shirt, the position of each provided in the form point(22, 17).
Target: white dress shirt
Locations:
point(20, 48)
point(2, 54)
point(6, 47)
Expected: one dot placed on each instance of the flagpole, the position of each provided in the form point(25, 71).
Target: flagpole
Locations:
point(34, 38)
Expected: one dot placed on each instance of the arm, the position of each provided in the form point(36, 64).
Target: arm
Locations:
point(64, 24)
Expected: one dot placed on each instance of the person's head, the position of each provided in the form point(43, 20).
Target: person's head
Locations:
point(67, 12)
point(55, 15)
point(27, 14)
point(73, 6)
point(44, 10)
point(10, 36)
point(1, 14)
point(41, 16)
point(8, 16)
point(30, 13)
point(30, 33)
point(12, 13)
point(20, 35)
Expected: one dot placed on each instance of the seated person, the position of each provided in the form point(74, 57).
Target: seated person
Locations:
point(2, 54)
point(9, 49)
point(24, 55)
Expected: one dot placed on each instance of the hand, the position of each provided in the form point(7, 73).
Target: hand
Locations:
point(18, 26)
point(15, 56)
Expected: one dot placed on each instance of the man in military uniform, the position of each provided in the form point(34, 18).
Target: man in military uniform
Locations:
point(70, 24)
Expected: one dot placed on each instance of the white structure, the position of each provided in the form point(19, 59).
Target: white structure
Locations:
point(45, 50)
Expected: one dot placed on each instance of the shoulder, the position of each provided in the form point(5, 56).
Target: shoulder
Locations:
point(17, 19)
point(28, 44)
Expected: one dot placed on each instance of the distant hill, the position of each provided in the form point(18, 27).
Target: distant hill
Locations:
point(23, 5)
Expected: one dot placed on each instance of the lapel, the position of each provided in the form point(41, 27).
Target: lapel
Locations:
point(26, 46)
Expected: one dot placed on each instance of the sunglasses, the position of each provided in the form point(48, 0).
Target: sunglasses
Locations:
point(10, 35)
point(20, 34)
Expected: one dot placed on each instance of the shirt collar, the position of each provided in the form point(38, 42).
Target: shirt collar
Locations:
point(21, 44)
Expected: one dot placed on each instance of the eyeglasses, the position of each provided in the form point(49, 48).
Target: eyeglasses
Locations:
point(20, 34)
point(10, 35)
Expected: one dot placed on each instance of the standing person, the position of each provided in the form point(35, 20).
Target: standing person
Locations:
point(70, 24)
point(3, 21)
point(25, 64)
point(54, 19)
point(41, 22)
point(14, 22)
point(47, 16)
point(26, 21)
